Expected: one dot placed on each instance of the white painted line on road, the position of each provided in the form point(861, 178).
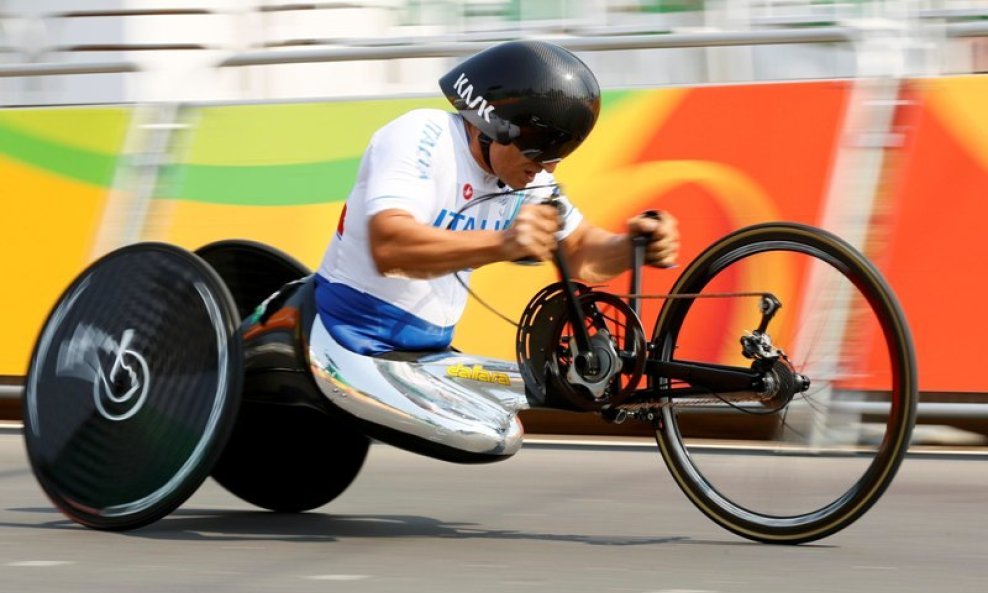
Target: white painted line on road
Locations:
point(243, 547)
point(485, 565)
point(648, 444)
point(644, 442)
point(40, 563)
point(10, 391)
point(338, 577)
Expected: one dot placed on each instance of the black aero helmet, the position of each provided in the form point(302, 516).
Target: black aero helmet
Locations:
point(533, 94)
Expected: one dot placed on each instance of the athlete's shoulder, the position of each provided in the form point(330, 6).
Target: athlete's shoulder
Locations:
point(542, 178)
point(543, 187)
point(417, 121)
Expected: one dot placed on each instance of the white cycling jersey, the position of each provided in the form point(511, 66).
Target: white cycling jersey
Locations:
point(421, 163)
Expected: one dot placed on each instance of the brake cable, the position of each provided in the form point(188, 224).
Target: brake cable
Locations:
point(495, 195)
point(480, 200)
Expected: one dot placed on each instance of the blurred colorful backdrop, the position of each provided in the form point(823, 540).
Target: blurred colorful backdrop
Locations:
point(77, 182)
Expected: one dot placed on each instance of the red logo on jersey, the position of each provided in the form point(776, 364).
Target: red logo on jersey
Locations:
point(467, 191)
point(339, 226)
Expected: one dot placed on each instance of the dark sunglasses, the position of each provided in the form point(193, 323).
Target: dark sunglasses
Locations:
point(543, 144)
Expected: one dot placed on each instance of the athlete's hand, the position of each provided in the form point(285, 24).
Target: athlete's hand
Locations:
point(663, 234)
point(532, 235)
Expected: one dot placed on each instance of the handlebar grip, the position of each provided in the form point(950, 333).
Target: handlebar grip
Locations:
point(531, 261)
point(641, 239)
point(639, 243)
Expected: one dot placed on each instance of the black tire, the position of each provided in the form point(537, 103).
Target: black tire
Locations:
point(287, 453)
point(133, 387)
point(290, 459)
point(800, 470)
point(252, 271)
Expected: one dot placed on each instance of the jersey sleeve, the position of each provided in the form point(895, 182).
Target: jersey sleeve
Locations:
point(572, 217)
point(405, 157)
point(544, 187)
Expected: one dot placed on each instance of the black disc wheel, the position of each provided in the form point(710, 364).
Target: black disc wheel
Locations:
point(133, 387)
point(819, 441)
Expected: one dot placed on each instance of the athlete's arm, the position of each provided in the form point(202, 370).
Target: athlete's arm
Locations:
point(403, 246)
point(597, 255)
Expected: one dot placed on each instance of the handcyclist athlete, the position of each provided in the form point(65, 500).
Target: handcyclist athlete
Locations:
point(387, 279)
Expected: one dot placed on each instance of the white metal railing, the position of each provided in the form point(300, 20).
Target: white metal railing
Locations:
point(197, 35)
point(59, 68)
point(423, 48)
point(372, 49)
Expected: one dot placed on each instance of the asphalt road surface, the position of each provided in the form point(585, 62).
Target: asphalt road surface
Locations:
point(551, 519)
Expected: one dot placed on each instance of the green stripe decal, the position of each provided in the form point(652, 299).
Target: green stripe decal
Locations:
point(75, 163)
point(271, 185)
point(281, 134)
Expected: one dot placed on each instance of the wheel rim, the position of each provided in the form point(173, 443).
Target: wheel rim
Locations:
point(814, 465)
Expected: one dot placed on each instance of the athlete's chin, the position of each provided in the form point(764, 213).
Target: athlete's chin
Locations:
point(520, 181)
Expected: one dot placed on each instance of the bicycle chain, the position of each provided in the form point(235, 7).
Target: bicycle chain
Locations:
point(689, 295)
point(686, 402)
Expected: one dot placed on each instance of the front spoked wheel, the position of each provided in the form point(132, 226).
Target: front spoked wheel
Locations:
point(818, 441)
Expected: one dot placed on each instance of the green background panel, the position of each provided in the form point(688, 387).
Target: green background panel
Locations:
point(80, 144)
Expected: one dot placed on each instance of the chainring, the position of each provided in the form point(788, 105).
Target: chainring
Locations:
point(544, 347)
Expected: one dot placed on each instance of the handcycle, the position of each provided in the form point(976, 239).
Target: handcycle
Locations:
point(782, 410)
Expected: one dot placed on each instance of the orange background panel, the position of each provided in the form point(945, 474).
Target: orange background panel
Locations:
point(47, 231)
point(934, 254)
point(781, 135)
point(718, 158)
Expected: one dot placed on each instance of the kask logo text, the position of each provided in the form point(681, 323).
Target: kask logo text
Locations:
point(464, 89)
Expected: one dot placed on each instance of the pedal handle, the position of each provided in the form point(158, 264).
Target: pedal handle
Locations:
point(641, 239)
point(531, 261)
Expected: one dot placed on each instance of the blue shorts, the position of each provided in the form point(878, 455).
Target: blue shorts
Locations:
point(368, 325)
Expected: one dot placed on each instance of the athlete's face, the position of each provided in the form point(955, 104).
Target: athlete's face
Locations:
point(513, 168)
point(507, 161)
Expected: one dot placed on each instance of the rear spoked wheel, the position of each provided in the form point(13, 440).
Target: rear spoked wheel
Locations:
point(796, 461)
